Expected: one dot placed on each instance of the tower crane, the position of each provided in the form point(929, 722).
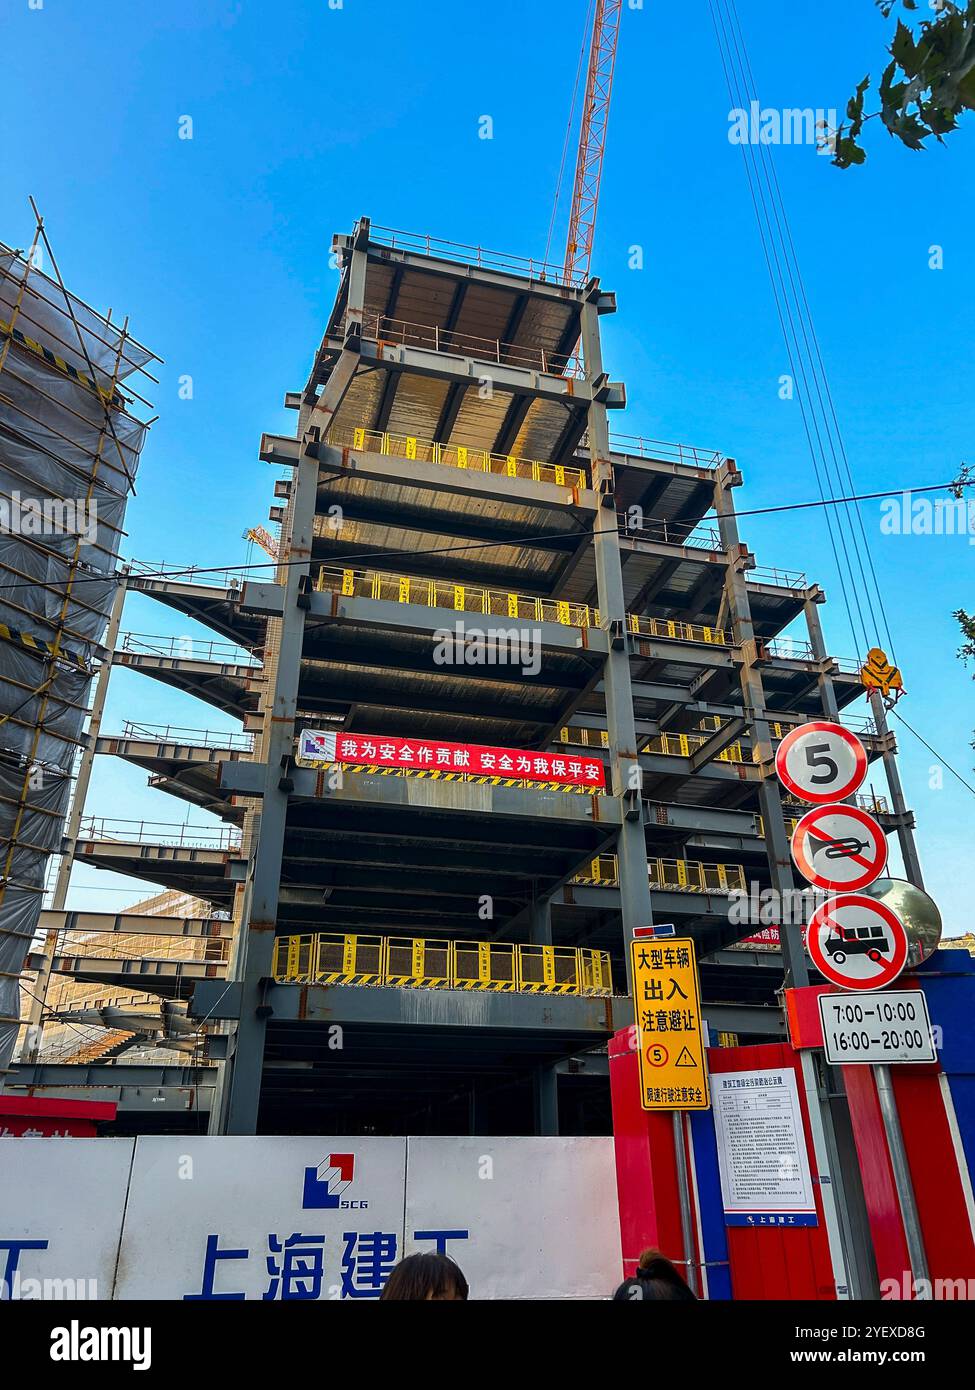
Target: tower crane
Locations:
point(592, 138)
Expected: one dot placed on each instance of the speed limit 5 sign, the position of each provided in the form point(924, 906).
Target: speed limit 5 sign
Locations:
point(821, 762)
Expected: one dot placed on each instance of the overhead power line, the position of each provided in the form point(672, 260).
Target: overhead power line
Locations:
point(861, 593)
point(538, 540)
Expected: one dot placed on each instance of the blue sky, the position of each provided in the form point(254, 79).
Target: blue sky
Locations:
point(305, 117)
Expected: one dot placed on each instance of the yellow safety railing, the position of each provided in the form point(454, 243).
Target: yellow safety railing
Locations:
point(675, 745)
point(680, 632)
point(421, 963)
point(410, 446)
point(679, 875)
point(548, 970)
point(462, 598)
point(485, 965)
point(683, 745)
point(672, 745)
point(500, 603)
point(790, 824)
point(585, 738)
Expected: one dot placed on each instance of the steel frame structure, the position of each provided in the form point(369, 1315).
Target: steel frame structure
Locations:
point(401, 856)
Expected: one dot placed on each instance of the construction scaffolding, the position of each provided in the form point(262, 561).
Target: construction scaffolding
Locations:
point(70, 441)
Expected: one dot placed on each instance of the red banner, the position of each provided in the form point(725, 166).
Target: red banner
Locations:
point(768, 936)
point(470, 759)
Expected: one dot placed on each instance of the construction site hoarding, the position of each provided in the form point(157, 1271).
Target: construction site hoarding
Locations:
point(276, 1218)
point(69, 452)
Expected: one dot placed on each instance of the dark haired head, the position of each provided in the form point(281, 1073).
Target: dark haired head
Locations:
point(656, 1280)
point(425, 1277)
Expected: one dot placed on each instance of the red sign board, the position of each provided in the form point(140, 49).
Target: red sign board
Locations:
point(768, 936)
point(857, 942)
point(434, 755)
point(31, 1117)
point(821, 762)
point(839, 847)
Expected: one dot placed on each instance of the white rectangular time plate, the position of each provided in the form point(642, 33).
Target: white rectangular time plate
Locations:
point(890, 1025)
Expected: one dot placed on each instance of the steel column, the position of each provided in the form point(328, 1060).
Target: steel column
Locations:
point(827, 691)
point(905, 832)
point(753, 700)
point(545, 1095)
point(540, 922)
point(625, 771)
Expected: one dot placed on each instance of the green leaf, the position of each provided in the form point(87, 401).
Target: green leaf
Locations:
point(847, 151)
point(854, 107)
point(905, 51)
point(939, 120)
point(966, 91)
point(911, 131)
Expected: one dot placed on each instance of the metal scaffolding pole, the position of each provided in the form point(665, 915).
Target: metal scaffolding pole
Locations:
point(35, 1014)
point(634, 880)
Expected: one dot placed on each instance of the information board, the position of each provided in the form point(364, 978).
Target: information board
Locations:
point(883, 1028)
point(762, 1160)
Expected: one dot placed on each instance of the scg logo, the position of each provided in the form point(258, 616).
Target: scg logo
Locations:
point(324, 1185)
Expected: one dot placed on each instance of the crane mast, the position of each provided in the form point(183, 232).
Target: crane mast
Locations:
point(592, 138)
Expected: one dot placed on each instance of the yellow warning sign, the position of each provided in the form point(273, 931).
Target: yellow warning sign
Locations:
point(670, 1029)
point(877, 673)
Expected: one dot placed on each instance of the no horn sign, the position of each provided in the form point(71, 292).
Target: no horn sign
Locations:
point(839, 847)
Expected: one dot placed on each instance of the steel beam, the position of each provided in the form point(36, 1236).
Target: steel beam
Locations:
point(442, 478)
point(110, 1075)
point(135, 923)
point(470, 371)
point(439, 1010)
point(438, 263)
point(385, 614)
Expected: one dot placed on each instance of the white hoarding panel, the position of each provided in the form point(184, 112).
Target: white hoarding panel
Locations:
point(524, 1218)
point(61, 1204)
point(262, 1218)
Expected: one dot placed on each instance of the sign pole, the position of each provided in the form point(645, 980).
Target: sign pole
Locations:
point(902, 1180)
point(816, 1104)
point(885, 1089)
point(684, 1190)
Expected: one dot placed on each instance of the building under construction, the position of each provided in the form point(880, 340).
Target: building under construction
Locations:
point(70, 439)
point(468, 558)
